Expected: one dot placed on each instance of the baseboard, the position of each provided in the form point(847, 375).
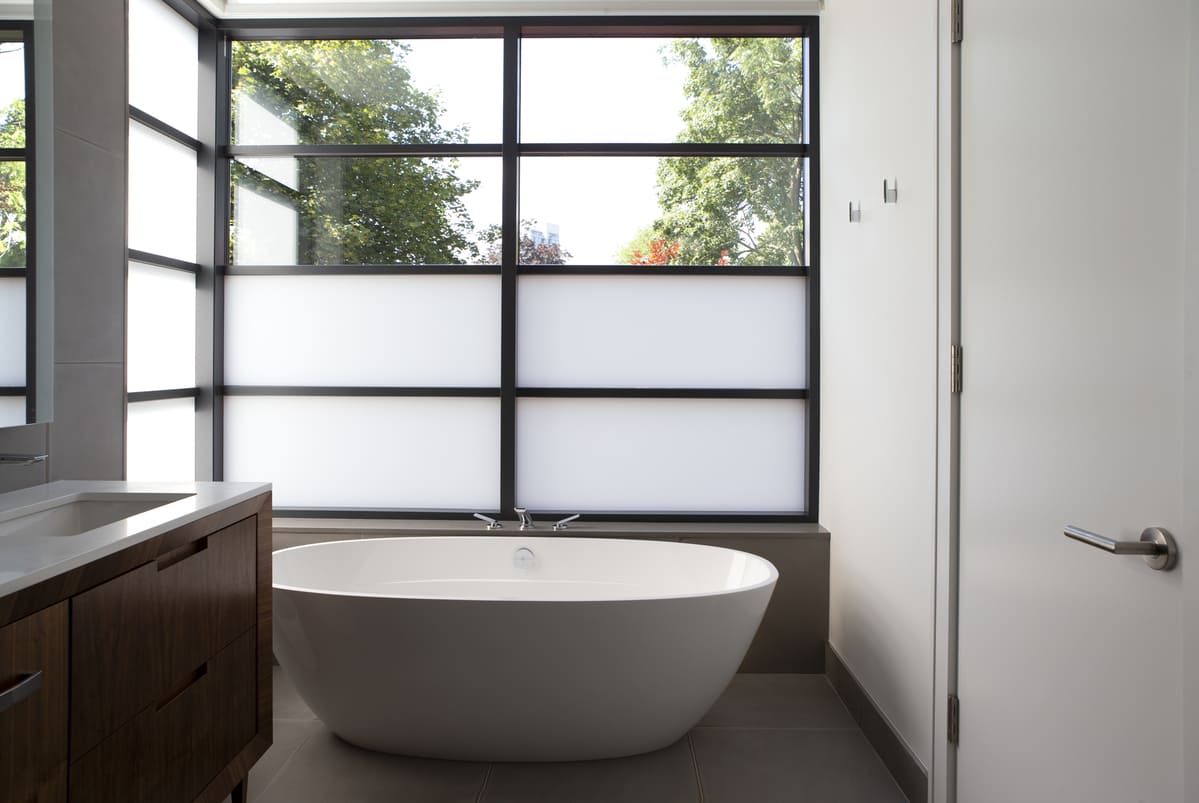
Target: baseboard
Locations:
point(904, 767)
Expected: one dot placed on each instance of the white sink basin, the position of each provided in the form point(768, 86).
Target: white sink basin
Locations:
point(80, 513)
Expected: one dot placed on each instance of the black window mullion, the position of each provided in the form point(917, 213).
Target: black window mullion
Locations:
point(509, 261)
point(165, 129)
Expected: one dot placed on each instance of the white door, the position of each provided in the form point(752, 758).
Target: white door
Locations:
point(1074, 240)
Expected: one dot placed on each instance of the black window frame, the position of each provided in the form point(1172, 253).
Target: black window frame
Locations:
point(512, 30)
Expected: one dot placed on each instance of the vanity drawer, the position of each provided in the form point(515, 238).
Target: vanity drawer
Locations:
point(33, 708)
point(173, 749)
point(135, 636)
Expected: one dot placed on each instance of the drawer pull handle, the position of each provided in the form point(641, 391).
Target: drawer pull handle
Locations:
point(178, 692)
point(23, 689)
point(182, 553)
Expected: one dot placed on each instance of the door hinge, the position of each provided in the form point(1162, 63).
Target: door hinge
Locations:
point(953, 719)
point(955, 368)
point(957, 24)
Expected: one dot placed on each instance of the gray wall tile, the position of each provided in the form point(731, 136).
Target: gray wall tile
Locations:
point(32, 439)
point(89, 71)
point(87, 438)
point(89, 248)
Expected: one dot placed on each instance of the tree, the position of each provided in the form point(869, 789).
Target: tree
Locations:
point(740, 211)
point(531, 252)
point(356, 210)
point(12, 188)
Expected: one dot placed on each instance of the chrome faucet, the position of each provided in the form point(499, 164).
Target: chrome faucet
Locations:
point(526, 521)
point(492, 524)
point(561, 525)
point(21, 459)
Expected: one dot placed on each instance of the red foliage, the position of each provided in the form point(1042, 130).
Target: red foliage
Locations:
point(660, 253)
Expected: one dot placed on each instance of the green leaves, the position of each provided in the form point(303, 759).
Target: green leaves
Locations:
point(355, 210)
point(748, 211)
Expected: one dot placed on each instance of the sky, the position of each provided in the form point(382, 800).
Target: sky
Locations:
point(12, 72)
point(573, 90)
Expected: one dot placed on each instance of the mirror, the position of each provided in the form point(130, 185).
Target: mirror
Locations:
point(26, 208)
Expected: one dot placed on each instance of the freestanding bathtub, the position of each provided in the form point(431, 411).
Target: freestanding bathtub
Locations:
point(512, 648)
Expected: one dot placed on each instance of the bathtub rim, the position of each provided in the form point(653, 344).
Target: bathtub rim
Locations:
point(771, 579)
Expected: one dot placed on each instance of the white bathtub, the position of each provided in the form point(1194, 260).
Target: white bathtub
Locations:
point(470, 648)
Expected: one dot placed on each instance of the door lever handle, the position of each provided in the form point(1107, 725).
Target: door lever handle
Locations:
point(1156, 545)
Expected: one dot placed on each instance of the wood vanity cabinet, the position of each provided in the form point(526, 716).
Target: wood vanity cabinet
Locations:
point(33, 708)
point(166, 660)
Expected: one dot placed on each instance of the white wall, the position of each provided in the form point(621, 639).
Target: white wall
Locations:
point(878, 87)
point(878, 380)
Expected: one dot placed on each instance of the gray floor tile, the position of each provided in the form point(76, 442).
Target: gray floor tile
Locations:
point(790, 766)
point(288, 703)
point(288, 736)
point(665, 776)
point(778, 701)
point(326, 770)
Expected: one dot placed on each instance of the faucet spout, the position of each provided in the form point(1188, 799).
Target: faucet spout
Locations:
point(526, 521)
point(21, 459)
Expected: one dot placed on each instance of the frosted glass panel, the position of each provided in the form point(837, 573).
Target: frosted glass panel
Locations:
point(661, 455)
point(163, 64)
point(161, 440)
point(266, 229)
point(162, 195)
point(370, 452)
point(362, 330)
point(663, 331)
point(12, 332)
point(12, 411)
point(162, 328)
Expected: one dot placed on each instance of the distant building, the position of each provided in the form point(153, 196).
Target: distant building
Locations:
point(548, 237)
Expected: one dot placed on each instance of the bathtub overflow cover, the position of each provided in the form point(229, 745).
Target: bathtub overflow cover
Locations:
point(523, 558)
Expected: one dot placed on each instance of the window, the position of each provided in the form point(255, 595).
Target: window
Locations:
point(164, 243)
point(16, 221)
point(563, 264)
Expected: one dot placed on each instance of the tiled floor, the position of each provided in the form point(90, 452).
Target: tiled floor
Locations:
point(769, 738)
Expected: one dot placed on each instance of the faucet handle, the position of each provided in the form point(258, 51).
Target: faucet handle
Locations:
point(561, 525)
point(492, 524)
point(526, 521)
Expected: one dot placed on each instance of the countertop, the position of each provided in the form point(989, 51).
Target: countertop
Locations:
point(28, 559)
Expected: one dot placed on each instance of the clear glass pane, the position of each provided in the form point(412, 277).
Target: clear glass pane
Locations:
point(369, 211)
point(370, 91)
point(662, 90)
point(162, 195)
point(664, 211)
point(12, 411)
point(662, 331)
point(12, 214)
point(362, 330)
point(12, 90)
point(408, 453)
point(164, 58)
point(162, 328)
point(12, 332)
point(661, 455)
point(161, 440)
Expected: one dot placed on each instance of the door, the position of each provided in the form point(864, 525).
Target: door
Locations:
point(1074, 240)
